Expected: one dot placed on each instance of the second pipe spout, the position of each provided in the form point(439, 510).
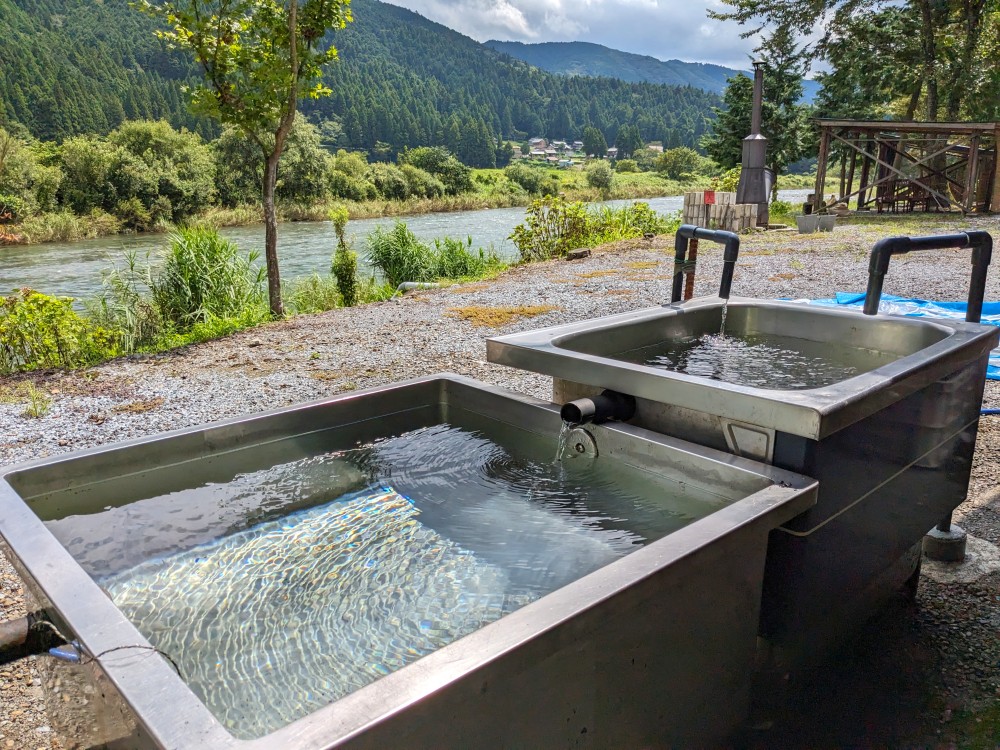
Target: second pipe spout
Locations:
point(608, 405)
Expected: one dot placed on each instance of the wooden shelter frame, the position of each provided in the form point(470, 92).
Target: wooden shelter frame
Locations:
point(908, 166)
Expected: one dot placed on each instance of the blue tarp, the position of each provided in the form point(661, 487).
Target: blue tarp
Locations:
point(922, 308)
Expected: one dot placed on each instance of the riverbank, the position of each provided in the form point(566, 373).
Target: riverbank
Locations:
point(925, 677)
point(65, 226)
point(489, 193)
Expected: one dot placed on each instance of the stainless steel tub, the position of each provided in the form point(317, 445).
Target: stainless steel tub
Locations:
point(655, 649)
point(891, 446)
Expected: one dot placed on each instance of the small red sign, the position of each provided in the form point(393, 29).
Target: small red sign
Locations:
point(709, 197)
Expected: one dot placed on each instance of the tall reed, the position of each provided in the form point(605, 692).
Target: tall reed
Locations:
point(204, 276)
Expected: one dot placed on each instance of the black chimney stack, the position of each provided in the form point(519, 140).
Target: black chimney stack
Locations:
point(756, 179)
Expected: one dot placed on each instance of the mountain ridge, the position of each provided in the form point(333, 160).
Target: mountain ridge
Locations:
point(599, 61)
point(76, 66)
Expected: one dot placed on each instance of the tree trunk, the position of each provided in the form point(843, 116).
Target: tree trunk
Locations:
point(929, 49)
point(972, 23)
point(271, 235)
point(271, 169)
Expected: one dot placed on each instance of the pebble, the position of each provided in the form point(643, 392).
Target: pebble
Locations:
point(315, 356)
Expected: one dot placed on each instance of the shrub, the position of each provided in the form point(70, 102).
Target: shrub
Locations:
point(125, 308)
point(38, 331)
point(204, 276)
point(529, 178)
point(345, 270)
point(134, 215)
point(350, 163)
point(626, 165)
point(780, 209)
point(348, 187)
point(12, 208)
point(345, 260)
point(86, 162)
point(600, 176)
point(551, 186)
point(457, 260)
point(554, 227)
point(457, 177)
point(388, 180)
point(727, 182)
point(421, 183)
point(611, 224)
point(678, 163)
point(311, 294)
point(152, 159)
point(400, 256)
point(373, 290)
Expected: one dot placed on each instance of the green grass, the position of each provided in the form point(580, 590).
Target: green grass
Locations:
point(401, 257)
point(976, 730)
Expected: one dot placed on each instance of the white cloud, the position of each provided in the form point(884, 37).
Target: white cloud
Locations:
point(666, 29)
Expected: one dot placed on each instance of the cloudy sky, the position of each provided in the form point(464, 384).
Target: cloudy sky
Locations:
point(666, 29)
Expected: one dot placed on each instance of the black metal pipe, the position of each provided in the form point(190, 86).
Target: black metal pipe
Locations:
point(979, 241)
point(981, 244)
point(729, 256)
point(20, 638)
point(606, 406)
point(758, 97)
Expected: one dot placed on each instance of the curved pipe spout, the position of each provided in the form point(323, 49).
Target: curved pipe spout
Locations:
point(608, 405)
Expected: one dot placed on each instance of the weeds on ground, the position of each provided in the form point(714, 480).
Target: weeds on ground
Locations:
point(37, 402)
point(494, 317)
point(139, 407)
point(311, 294)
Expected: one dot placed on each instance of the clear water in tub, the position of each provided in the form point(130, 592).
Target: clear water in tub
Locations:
point(431, 535)
point(760, 360)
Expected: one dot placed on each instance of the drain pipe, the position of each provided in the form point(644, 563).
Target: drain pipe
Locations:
point(598, 409)
point(945, 542)
point(20, 638)
point(981, 244)
point(731, 252)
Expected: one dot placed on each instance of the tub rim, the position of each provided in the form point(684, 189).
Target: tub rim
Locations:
point(813, 413)
point(173, 716)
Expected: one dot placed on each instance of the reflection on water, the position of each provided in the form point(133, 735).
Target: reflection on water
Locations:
point(761, 360)
point(455, 528)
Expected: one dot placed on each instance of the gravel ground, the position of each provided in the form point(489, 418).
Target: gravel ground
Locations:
point(917, 680)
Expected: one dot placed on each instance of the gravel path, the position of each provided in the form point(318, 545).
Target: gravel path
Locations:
point(941, 661)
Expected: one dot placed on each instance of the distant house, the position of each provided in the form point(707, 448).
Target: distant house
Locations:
point(537, 153)
point(613, 152)
point(558, 144)
point(657, 147)
point(538, 143)
point(552, 159)
point(565, 162)
point(577, 145)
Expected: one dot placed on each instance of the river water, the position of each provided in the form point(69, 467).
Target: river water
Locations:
point(74, 268)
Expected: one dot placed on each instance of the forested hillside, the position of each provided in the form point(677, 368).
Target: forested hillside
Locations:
point(84, 66)
point(587, 59)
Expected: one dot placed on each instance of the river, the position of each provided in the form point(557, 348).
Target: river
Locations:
point(74, 269)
